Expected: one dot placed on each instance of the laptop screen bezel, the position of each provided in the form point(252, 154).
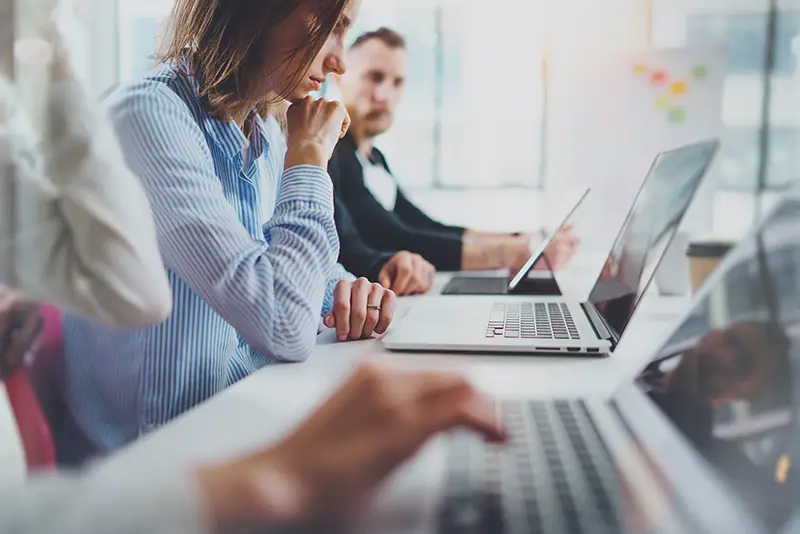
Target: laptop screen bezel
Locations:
point(537, 255)
point(667, 241)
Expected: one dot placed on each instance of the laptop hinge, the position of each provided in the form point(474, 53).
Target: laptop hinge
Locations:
point(599, 324)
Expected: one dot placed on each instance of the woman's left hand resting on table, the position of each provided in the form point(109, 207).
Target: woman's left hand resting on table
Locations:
point(360, 308)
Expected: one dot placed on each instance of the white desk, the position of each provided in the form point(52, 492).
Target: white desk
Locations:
point(261, 408)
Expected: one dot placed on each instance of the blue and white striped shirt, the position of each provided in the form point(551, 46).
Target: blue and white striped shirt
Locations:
point(249, 282)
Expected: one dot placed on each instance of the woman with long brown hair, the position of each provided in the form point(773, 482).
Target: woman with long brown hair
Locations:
point(244, 216)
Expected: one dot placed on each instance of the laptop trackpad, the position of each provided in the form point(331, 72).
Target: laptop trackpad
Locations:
point(437, 318)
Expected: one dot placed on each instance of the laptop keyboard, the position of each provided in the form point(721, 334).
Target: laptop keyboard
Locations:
point(554, 476)
point(530, 320)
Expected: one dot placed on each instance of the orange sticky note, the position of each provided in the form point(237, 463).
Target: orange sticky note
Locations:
point(678, 88)
point(640, 68)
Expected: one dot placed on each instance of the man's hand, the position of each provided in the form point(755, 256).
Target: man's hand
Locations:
point(561, 249)
point(360, 309)
point(407, 274)
point(325, 471)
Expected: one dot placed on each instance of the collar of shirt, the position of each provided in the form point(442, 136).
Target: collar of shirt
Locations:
point(379, 182)
point(231, 140)
point(226, 134)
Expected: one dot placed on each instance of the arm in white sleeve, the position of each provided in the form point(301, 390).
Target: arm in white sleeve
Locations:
point(84, 237)
point(105, 501)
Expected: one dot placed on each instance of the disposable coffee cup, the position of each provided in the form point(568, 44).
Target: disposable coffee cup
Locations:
point(704, 257)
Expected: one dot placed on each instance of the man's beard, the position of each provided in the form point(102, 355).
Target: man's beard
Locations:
point(374, 128)
point(364, 128)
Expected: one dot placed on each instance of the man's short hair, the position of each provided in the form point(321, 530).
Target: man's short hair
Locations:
point(387, 36)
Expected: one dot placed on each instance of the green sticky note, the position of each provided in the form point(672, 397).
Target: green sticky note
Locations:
point(700, 72)
point(676, 115)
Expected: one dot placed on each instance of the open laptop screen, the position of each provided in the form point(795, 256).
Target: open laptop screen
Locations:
point(651, 224)
point(727, 377)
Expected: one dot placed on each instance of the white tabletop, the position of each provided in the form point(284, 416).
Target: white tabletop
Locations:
point(263, 407)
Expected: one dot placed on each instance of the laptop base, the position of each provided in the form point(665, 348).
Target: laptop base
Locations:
point(477, 285)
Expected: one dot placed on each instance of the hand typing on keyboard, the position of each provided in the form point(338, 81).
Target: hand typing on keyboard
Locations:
point(552, 476)
point(324, 471)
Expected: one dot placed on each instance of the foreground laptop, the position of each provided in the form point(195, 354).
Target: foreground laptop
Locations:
point(705, 440)
point(555, 325)
point(519, 284)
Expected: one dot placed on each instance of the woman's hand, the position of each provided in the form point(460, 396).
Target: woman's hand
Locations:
point(313, 129)
point(360, 309)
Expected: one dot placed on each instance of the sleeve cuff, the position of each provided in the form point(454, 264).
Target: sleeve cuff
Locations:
point(380, 261)
point(449, 255)
point(306, 183)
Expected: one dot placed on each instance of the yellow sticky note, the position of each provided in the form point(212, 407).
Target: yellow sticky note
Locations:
point(640, 68)
point(662, 102)
point(782, 469)
point(678, 88)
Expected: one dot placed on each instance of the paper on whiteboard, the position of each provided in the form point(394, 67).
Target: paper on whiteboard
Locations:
point(611, 114)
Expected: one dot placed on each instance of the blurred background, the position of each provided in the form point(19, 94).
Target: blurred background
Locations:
point(488, 131)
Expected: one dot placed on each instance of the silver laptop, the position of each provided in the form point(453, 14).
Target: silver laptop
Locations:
point(555, 325)
point(519, 284)
point(704, 440)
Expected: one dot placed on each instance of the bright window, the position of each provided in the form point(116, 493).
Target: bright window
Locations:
point(756, 96)
point(142, 26)
point(477, 89)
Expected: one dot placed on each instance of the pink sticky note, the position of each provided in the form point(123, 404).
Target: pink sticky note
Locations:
point(659, 77)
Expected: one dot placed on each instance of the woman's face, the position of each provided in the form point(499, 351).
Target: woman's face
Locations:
point(330, 58)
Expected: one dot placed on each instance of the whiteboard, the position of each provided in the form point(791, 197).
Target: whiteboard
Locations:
point(610, 114)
